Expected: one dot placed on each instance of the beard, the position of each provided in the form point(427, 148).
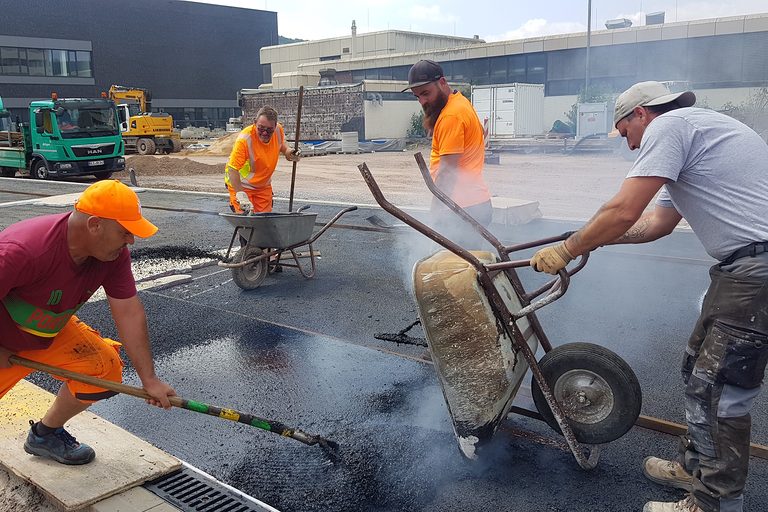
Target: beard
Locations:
point(432, 110)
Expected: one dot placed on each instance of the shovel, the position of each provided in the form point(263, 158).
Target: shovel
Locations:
point(381, 223)
point(190, 405)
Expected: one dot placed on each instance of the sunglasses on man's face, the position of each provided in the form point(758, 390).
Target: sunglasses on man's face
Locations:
point(264, 129)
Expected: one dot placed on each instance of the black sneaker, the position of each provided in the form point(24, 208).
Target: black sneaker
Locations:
point(59, 445)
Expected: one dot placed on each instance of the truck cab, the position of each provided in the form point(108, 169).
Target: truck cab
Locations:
point(73, 137)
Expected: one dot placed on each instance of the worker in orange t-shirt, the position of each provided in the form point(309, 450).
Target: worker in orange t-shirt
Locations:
point(458, 150)
point(253, 160)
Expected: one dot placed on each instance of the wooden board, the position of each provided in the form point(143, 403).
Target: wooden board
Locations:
point(122, 460)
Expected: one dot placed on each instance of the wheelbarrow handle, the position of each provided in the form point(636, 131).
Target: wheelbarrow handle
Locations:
point(556, 290)
point(176, 401)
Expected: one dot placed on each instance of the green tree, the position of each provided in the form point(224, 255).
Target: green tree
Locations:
point(416, 128)
point(591, 95)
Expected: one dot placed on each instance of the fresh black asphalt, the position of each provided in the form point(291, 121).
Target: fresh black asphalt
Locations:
point(303, 352)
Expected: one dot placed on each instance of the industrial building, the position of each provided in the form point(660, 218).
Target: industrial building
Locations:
point(193, 57)
point(723, 59)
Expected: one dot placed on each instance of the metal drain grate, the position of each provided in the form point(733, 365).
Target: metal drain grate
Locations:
point(191, 490)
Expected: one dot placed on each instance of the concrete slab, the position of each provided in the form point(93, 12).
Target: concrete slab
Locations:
point(122, 459)
point(512, 212)
point(137, 499)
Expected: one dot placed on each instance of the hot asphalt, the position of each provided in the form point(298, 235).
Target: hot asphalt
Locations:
point(303, 352)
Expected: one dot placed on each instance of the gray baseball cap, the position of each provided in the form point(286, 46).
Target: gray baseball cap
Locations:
point(423, 72)
point(648, 94)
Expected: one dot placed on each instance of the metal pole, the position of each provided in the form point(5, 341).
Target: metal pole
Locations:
point(296, 146)
point(589, 41)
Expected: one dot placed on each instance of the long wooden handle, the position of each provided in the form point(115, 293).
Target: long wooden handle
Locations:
point(117, 387)
point(296, 145)
point(176, 401)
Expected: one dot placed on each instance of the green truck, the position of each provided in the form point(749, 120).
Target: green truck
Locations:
point(64, 137)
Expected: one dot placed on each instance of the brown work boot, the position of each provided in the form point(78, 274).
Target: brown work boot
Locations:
point(667, 472)
point(686, 505)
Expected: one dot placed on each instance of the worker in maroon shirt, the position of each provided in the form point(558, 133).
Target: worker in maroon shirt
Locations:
point(49, 267)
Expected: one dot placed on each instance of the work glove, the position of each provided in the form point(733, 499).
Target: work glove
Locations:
point(293, 155)
point(551, 259)
point(242, 199)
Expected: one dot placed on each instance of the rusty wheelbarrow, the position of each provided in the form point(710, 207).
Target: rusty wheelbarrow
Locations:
point(272, 234)
point(483, 335)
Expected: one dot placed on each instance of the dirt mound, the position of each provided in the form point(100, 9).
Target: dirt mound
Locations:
point(219, 147)
point(146, 165)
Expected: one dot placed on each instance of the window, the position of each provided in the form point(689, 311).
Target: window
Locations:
point(36, 62)
point(58, 62)
point(84, 64)
point(536, 69)
point(9, 61)
point(498, 70)
point(39, 62)
point(516, 70)
point(755, 65)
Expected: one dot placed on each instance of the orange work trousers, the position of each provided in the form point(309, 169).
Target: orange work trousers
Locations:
point(78, 348)
point(261, 199)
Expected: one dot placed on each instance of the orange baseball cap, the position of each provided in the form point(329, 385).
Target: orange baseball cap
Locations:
point(110, 199)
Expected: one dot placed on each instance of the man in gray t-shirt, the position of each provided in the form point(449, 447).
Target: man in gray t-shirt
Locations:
point(713, 171)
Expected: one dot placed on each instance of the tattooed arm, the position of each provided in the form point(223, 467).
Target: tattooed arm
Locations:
point(620, 217)
point(651, 226)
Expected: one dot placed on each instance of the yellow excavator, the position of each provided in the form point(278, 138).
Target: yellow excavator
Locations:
point(144, 131)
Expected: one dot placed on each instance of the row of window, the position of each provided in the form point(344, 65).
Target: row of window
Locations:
point(724, 61)
point(40, 62)
point(214, 117)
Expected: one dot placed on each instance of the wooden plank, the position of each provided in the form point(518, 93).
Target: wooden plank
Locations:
point(122, 460)
point(676, 429)
point(524, 406)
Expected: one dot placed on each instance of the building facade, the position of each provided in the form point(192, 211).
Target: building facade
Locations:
point(723, 60)
point(193, 57)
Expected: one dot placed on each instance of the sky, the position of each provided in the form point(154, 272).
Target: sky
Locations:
point(303, 19)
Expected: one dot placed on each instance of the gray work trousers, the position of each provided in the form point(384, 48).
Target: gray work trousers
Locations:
point(723, 369)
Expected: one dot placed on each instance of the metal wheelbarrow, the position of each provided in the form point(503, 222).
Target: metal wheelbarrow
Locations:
point(272, 234)
point(483, 334)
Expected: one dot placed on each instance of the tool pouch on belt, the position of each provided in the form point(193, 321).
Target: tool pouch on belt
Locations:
point(733, 355)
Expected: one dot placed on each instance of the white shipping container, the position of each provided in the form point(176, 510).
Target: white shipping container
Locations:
point(592, 119)
point(510, 110)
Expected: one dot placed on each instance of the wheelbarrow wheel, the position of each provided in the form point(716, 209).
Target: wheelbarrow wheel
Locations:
point(250, 276)
point(597, 390)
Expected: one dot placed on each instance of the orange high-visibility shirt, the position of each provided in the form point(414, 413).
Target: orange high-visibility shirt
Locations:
point(255, 160)
point(458, 131)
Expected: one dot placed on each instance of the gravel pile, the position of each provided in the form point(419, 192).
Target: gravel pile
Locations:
point(146, 165)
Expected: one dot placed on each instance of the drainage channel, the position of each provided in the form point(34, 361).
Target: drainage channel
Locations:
point(192, 490)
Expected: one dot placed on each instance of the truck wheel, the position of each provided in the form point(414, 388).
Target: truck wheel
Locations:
point(145, 147)
point(250, 276)
point(40, 171)
point(7, 172)
point(103, 175)
point(175, 145)
point(597, 390)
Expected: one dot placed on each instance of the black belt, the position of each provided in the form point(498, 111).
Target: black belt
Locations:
point(752, 249)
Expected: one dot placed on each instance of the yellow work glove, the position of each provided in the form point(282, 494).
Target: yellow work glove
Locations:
point(551, 259)
point(242, 199)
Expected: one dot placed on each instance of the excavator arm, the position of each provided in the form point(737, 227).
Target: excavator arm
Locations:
point(141, 96)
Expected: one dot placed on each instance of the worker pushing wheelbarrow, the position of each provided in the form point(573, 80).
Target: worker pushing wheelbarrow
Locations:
point(483, 334)
point(265, 236)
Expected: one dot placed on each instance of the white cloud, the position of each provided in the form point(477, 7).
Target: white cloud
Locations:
point(430, 13)
point(538, 27)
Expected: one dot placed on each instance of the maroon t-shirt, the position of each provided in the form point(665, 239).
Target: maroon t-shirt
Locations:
point(41, 287)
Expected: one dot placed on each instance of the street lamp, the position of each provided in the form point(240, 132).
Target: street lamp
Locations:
point(589, 37)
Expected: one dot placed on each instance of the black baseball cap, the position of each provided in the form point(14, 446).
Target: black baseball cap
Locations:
point(424, 72)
